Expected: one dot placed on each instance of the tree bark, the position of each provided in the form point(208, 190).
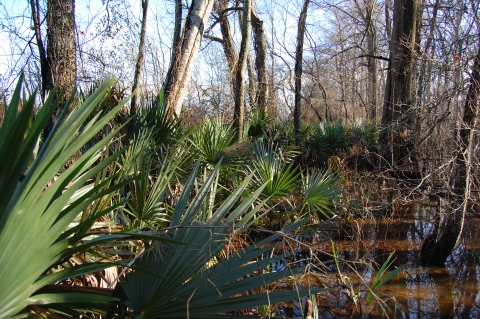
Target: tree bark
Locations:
point(61, 55)
point(140, 58)
point(252, 88)
point(182, 64)
point(239, 92)
point(397, 117)
point(176, 39)
point(260, 47)
point(388, 19)
point(297, 112)
point(228, 44)
point(371, 33)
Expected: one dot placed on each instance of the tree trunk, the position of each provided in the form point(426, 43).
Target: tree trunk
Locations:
point(451, 227)
point(297, 112)
point(260, 46)
point(44, 65)
point(252, 88)
point(239, 92)
point(398, 119)
point(176, 39)
point(371, 33)
point(61, 55)
point(388, 19)
point(181, 65)
point(228, 44)
point(140, 58)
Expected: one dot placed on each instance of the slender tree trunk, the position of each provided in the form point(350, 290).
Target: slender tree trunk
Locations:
point(371, 33)
point(177, 32)
point(451, 226)
point(44, 65)
point(397, 119)
point(140, 58)
point(260, 46)
point(228, 44)
point(367, 14)
point(252, 88)
point(424, 72)
point(176, 39)
point(297, 112)
point(176, 86)
point(239, 92)
point(61, 54)
point(388, 19)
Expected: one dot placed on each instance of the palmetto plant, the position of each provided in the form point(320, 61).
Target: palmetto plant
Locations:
point(34, 217)
point(326, 140)
point(153, 116)
point(319, 194)
point(40, 199)
point(259, 120)
point(180, 274)
point(189, 281)
point(273, 167)
point(151, 183)
point(210, 137)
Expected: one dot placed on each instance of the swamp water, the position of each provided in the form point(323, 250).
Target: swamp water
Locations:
point(450, 291)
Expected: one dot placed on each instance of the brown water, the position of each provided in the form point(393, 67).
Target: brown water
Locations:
point(450, 291)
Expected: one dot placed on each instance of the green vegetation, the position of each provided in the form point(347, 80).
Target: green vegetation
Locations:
point(163, 213)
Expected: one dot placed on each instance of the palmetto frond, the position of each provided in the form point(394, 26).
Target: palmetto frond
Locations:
point(273, 167)
point(188, 281)
point(319, 193)
point(210, 137)
point(33, 216)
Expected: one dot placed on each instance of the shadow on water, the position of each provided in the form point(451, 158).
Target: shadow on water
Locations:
point(450, 291)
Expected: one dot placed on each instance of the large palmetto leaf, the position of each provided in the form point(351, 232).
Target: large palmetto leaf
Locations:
point(319, 193)
point(34, 217)
point(210, 137)
point(145, 205)
point(274, 167)
point(189, 281)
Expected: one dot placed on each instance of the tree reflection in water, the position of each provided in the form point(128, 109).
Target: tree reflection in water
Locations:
point(450, 291)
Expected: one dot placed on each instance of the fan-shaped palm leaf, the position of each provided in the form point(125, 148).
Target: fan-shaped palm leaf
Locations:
point(35, 217)
point(181, 283)
point(274, 168)
point(210, 137)
point(319, 192)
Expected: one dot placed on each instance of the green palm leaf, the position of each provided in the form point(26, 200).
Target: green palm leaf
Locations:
point(275, 168)
point(34, 216)
point(190, 281)
point(212, 136)
point(319, 193)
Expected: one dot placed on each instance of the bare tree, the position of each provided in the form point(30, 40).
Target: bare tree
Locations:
point(398, 117)
point(444, 240)
point(367, 14)
point(44, 65)
point(140, 58)
point(298, 72)
point(239, 92)
point(227, 39)
point(181, 65)
point(260, 46)
point(176, 38)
